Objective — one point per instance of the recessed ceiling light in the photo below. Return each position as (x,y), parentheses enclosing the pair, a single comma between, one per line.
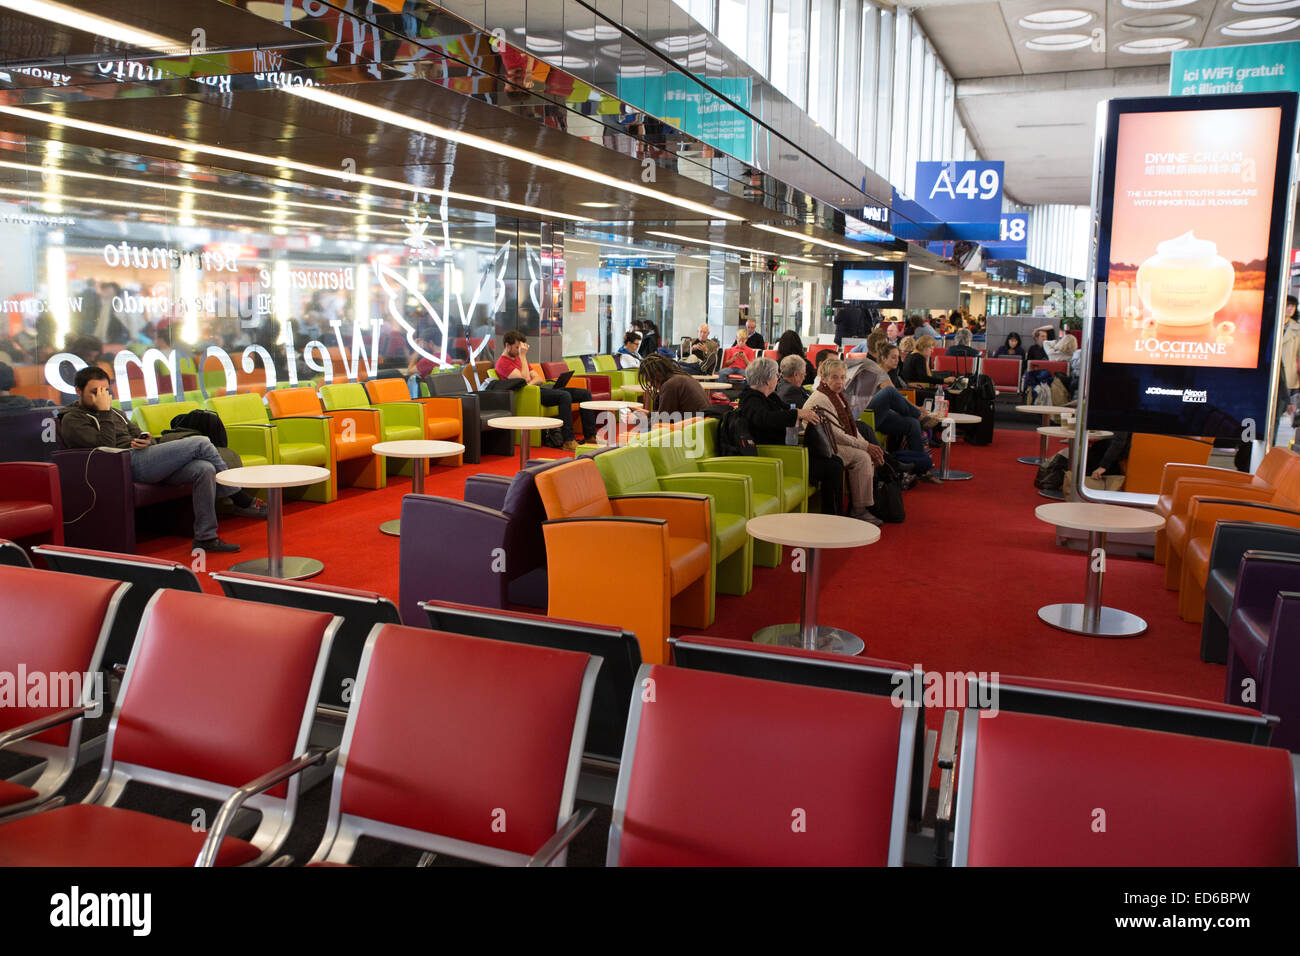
(1264,6)
(598,205)
(1059,41)
(588,34)
(1259,26)
(543,44)
(1164,22)
(1055,19)
(570,62)
(1152,45)
(100,26)
(1156,4)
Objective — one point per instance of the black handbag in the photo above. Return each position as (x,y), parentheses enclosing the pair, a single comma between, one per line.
(888,493)
(819,437)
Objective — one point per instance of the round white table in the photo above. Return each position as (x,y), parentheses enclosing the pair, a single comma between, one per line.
(633,389)
(524,424)
(275,478)
(419,450)
(957,418)
(704,378)
(1091,618)
(812,532)
(1067,432)
(611,408)
(716,386)
(1048,412)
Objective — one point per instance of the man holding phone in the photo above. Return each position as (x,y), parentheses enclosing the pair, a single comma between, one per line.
(514,364)
(92,422)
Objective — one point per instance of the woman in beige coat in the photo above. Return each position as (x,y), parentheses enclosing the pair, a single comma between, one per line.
(860,457)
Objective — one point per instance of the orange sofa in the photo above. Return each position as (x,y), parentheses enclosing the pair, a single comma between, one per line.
(354,432)
(1179,483)
(663,544)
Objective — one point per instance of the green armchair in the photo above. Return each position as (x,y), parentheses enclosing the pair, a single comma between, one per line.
(618,377)
(671,452)
(250,442)
(528,404)
(793,458)
(284,441)
(398,421)
(630,471)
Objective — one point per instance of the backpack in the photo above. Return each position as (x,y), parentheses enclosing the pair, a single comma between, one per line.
(734,436)
(1051,473)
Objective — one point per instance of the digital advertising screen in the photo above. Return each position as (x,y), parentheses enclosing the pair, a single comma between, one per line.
(868,285)
(1191,255)
(879,284)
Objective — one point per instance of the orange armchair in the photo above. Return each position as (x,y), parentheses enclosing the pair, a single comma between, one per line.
(1188,560)
(663,543)
(1223,481)
(442,416)
(353,433)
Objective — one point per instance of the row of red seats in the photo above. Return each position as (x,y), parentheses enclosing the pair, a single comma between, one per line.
(448,736)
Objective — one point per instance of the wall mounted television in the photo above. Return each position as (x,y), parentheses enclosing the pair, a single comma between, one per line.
(879,284)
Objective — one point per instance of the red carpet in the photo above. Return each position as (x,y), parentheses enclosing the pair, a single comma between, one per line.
(954,588)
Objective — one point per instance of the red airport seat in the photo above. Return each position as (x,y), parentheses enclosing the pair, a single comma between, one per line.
(462,746)
(13,555)
(1049,791)
(31,505)
(62,624)
(358,610)
(730,771)
(217,703)
(617,647)
(1125,706)
(1005,373)
(145,575)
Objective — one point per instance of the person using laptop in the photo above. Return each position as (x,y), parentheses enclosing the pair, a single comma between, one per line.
(513,363)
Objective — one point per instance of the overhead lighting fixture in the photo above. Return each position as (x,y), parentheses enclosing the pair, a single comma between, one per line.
(1264,6)
(591,34)
(1259,26)
(189,146)
(401,121)
(1055,19)
(598,205)
(1164,21)
(1149,45)
(1058,42)
(791,234)
(722,245)
(66,16)
(1156,4)
(543,44)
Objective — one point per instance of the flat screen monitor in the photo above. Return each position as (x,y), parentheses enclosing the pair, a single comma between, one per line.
(879,284)
(1190,263)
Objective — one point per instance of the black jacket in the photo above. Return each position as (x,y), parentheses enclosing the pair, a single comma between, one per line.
(755,341)
(1036,353)
(81,427)
(963,350)
(649,343)
(914,370)
(767,416)
(790,394)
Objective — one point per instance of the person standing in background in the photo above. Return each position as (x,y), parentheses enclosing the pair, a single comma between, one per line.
(1288,392)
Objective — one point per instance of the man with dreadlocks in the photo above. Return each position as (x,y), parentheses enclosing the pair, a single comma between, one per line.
(669,388)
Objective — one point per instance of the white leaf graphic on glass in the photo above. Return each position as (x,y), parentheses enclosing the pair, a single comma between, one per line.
(491,288)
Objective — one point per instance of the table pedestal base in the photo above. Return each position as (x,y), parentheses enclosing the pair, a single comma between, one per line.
(1110,621)
(393,527)
(291,569)
(1054,493)
(950,475)
(1030,460)
(830,639)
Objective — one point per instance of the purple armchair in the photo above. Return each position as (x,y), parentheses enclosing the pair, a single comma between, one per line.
(101,501)
(30,504)
(1232,539)
(487,550)
(27,434)
(1264,640)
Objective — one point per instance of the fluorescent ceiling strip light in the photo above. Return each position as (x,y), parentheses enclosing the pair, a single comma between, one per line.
(66,16)
(148,207)
(195,190)
(279,162)
(393,118)
(722,245)
(791,234)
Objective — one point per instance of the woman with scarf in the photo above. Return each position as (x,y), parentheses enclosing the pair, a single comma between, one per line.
(860,457)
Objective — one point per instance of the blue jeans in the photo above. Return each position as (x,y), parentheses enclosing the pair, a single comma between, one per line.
(191,460)
(895,415)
